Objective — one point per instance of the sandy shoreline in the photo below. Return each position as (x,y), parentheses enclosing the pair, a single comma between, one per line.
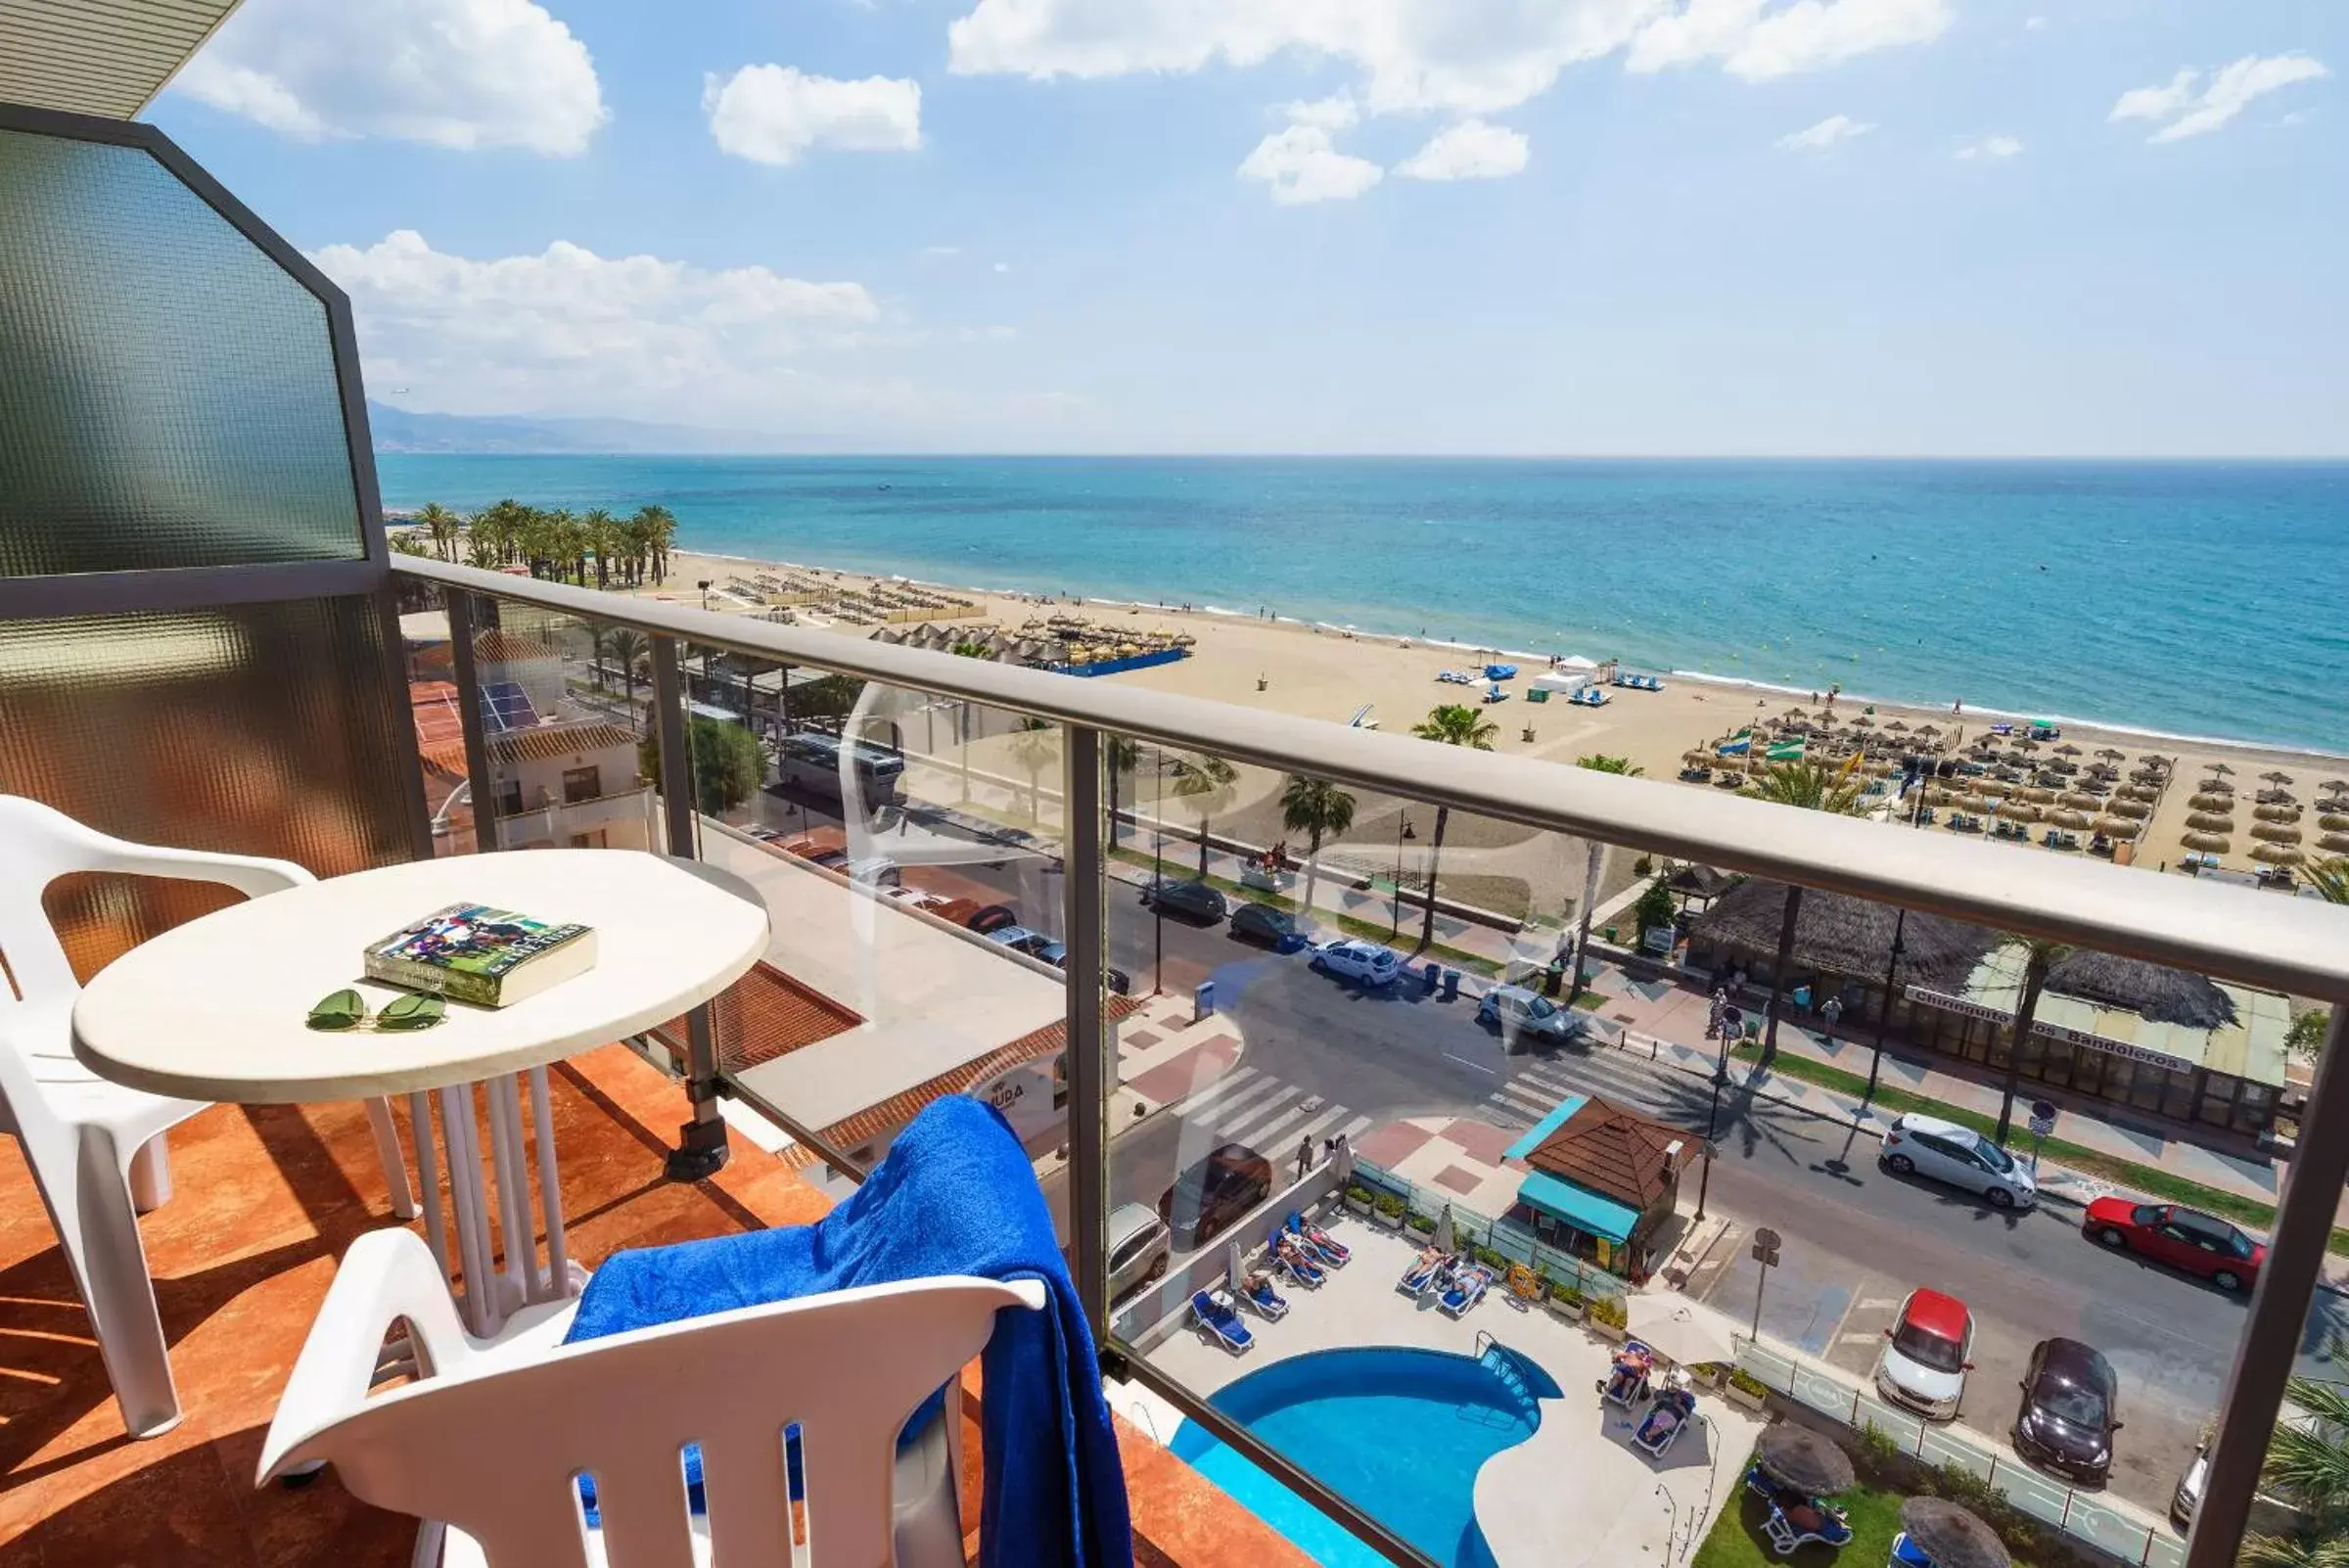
(1328,673)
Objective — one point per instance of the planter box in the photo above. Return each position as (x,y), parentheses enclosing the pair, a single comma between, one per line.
(1393,1221)
(1358,1207)
(1606,1331)
(1566,1310)
(1742,1399)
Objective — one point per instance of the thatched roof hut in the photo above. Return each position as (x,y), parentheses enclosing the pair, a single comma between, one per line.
(1841,935)
(1699,881)
(2153,991)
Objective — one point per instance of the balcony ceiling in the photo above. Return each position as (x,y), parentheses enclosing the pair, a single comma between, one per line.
(99,57)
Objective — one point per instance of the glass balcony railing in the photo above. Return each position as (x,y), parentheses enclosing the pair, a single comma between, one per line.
(1384,1087)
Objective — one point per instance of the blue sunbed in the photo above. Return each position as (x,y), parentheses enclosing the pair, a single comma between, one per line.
(1325,1247)
(1297,1261)
(1417,1275)
(1268,1301)
(1223,1323)
(1468,1286)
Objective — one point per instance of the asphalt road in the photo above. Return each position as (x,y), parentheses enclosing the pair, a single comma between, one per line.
(1855,1240)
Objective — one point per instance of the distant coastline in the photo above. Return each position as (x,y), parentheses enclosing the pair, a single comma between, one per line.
(2150,599)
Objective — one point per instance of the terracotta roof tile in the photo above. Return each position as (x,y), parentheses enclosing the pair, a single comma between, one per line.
(1619,1154)
(766,1014)
(542,742)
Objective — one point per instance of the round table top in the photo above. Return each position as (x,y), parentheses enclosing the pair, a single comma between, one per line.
(216,1009)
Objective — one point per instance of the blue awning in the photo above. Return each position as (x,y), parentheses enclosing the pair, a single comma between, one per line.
(1539,1134)
(1578,1207)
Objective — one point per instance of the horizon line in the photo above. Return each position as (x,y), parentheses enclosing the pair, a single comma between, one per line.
(1396,457)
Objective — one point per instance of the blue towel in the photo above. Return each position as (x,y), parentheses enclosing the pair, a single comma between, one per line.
(954,1195)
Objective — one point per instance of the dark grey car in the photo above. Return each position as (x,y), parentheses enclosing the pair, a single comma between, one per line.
(2069,1411)
(1195,900)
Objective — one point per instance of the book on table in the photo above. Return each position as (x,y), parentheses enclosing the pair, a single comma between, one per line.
(471,953)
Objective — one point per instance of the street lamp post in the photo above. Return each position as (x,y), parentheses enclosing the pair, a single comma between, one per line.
(1892,972)
(1403,831)
(1158,851)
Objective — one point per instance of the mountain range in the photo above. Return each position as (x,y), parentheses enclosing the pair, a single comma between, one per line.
(402,430)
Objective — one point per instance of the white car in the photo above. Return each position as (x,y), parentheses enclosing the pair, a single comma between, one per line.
(1926,1145)
(1927,1353)
(1366,963)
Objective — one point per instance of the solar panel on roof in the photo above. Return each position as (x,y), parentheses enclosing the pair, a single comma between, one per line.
(506,706)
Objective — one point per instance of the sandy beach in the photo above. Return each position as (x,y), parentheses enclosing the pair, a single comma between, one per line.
(1328,673)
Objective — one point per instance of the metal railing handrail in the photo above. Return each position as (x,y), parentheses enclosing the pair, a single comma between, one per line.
(2296,946)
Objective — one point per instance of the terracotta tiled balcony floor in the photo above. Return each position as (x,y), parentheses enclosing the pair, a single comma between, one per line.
(265,1201)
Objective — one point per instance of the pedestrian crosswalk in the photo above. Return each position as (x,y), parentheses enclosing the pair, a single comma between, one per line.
(1256,1108)
(1535,1088)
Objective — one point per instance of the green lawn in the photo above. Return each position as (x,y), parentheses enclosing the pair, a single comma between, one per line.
(1736,1541)
(2150,1180)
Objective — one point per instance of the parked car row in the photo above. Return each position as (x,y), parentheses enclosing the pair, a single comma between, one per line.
(2070,1407)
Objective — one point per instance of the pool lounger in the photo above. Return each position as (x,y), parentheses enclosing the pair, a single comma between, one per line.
(1293,1257)
(1675,1409)
(1222,1321)
(1468,1287)
(1417,1276)
(1268,1302)
(1319,1242)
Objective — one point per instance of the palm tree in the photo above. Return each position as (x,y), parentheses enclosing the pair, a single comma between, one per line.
(440,524)
(1033,747)
(629,649)
(1208,783)
(659,531)
(2330,879)
(1446,725)
(1315,807)
(2039,956)
(1123,756)
(483,549)
(406,542)
(2307,1462)
(1596,873)
(1809,786)
(605,539)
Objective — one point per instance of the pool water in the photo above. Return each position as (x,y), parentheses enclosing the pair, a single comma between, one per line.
(1398,1432)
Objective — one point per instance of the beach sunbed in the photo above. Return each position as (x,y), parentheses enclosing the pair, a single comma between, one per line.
(1328,1248)
(1666,1419)
(1270,1304)
(1421,1273)
(1295,1261)
(1222,1322)
(1467,1288)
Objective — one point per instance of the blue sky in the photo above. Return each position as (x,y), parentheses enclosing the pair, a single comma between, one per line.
(1514,226)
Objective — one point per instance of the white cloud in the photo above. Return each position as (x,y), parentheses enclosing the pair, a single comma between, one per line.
(1301,167)
(772,113)
(2194,110)
(1467,57)
(1991,148)
(2034,23)
(1827,132)
(1473,150)
(1003,266)
(568,330)
(1807,35)
(462,74)
(1338,113)
(941,250)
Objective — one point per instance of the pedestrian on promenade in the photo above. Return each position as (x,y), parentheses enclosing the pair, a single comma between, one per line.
(1305,1157)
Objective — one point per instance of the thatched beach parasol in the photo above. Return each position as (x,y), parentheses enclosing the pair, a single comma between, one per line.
(2135,809)
(2277,812)
(1951,1536)
(2020,812)
(2275,832)
(2079,800)
(2333,822)
(2333,843)
(1799,1458)
(2278,855)
(2118,827)
(2070,817)
(2139,791)
(2210,822)
(2111,754)
(2210,843)
(2212,801)
(2067,749)
(1896,725)
(2277,776)
(2221,769)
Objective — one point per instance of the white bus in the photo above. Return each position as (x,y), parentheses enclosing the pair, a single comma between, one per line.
(811,760)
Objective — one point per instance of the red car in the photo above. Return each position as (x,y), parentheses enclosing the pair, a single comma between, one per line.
(2186,1239)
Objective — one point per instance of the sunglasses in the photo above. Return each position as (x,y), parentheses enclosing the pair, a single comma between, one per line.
(347,1009)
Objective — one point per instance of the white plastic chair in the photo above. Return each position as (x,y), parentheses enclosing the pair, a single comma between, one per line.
(487,1444)
(97,1149)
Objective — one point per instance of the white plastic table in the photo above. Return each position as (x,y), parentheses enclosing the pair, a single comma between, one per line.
(216,1009)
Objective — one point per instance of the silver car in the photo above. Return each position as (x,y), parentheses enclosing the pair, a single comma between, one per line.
(1929,1147)
(1138,1246)
(1522,1014)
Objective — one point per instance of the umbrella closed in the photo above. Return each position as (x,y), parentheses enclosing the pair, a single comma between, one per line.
(1677,1328)
(1951,1536)
(1234,1274)
(1446,1241)
(1797,1457)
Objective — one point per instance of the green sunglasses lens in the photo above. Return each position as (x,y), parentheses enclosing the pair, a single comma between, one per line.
(411,1011)
(345,1009)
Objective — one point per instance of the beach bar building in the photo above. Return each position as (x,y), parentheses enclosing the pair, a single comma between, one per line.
(2162,1043)
(1600,1182)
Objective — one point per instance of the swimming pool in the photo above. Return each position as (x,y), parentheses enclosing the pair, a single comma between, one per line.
(1400,1432)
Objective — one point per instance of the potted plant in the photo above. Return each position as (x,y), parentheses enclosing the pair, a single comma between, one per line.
(1423,1224)
(1359,1199)
(1745,1390)
(1606,1317)
(1390,1209)
(1566,1302)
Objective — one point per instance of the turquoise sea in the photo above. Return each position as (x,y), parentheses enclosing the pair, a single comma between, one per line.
(2185,598)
